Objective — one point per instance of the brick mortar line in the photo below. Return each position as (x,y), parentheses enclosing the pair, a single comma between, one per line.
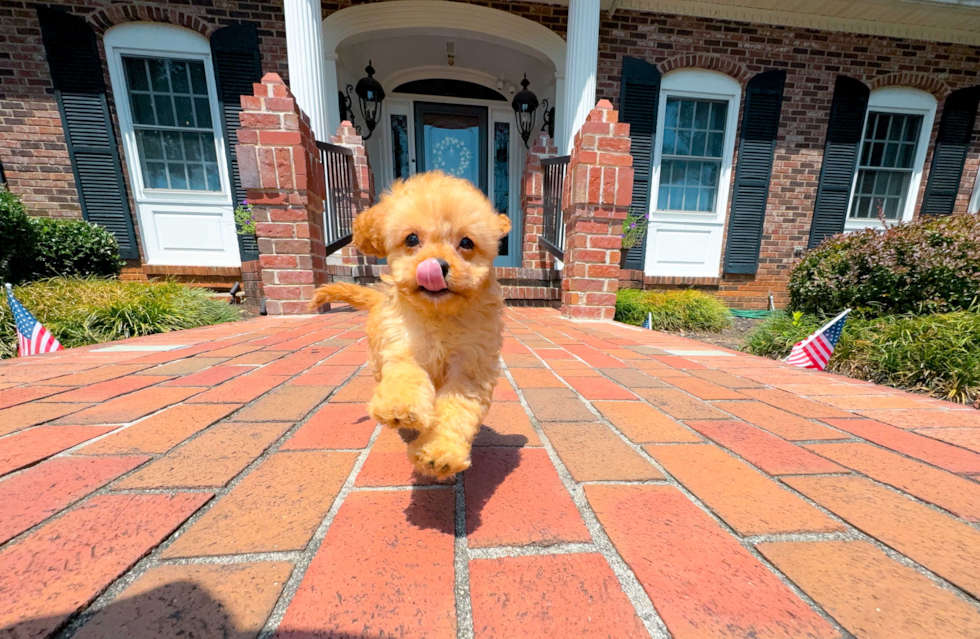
(695,500)
(291,556)
(461,565)
(218,492)
(151,558)
(498,552)
(935,578)
(628,581)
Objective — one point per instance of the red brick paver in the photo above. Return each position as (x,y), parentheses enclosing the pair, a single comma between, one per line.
(742,498)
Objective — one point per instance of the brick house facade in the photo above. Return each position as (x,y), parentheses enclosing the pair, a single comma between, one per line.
(37,166)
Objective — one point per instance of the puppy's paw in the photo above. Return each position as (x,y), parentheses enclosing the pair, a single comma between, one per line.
(439,457)
(399,407)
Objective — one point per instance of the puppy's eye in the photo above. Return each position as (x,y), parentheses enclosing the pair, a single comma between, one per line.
(466,244)
(412,240)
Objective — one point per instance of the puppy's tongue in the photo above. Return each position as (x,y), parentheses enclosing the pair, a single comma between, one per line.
(429,275)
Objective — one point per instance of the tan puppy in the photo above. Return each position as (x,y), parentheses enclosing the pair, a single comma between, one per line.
(434,329)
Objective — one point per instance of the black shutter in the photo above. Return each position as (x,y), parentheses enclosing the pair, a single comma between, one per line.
(840,158)
(639,93)
(952,141)
(76,71)
(760,124)
(237,65)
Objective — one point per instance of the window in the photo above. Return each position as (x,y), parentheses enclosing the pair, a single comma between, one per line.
(892,153)
(693,144)
(399,146)
(171,112)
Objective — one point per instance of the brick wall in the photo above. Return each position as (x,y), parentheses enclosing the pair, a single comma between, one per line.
(32,144)
(812,60)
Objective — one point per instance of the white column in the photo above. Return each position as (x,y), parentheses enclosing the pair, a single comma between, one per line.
(581,59)
(304,54)
(330,88)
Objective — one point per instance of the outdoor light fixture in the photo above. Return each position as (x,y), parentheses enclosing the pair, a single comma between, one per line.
(370,95)
(525,108)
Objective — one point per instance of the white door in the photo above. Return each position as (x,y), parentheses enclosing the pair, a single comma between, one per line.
(692,167)
(165,95)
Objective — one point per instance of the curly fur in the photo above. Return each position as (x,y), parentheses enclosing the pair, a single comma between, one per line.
(435,356)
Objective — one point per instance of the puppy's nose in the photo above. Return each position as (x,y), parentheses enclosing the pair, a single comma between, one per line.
(444,265)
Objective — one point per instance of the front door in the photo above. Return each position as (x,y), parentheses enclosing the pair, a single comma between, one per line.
(455,139)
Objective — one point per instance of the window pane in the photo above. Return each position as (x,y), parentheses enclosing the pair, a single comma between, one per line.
(698,143)
(719,111)
(214,183)
(716,143)
(158,75)
(207,141)
(165,110)
(185,112)
(178,179)
(143,109)
(198,81)
(203,109)
(192,147)
(172,147)
(195,175)
(701,115)
(687,115)
(178,77)
(673,107)
(399,145)
(670,141)
(149,143)
(156,175)
(683,143)
(501,174)
(136,74)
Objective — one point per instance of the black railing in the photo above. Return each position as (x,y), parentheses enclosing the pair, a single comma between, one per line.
(553,238)
(339,209)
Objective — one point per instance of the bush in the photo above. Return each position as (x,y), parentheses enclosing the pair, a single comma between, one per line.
(16,239)
(673,310)
(935,354)
(928,266)
(82,311)
(73,247)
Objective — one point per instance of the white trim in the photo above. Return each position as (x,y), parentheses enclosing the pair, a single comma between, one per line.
(974,206)
(434,17)
(211,208)
(705,85)
(898,100)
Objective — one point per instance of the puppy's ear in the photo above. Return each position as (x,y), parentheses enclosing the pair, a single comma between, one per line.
(503,222)
(369,230)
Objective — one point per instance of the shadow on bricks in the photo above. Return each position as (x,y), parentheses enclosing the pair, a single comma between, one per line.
(180,609)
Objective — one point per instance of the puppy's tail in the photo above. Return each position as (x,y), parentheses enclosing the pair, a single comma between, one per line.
(360,297)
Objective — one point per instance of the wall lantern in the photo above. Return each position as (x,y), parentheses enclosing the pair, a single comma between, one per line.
(370,95)
(525,108)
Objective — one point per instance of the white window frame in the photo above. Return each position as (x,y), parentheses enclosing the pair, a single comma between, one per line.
(905,101)
(153,40)
(697,84)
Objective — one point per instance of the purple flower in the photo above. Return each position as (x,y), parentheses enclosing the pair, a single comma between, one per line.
(633,225)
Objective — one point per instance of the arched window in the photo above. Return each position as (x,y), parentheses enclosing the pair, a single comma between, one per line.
(892,153)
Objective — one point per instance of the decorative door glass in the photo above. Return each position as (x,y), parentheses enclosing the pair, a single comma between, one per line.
(453,140)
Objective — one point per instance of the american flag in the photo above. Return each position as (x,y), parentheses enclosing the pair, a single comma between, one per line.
(32,337)
(815,351)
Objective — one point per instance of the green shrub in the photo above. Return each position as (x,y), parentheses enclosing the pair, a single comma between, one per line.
(73,247)
(82,311)
(672,310)
(936,354)
(16,239)
(928,266)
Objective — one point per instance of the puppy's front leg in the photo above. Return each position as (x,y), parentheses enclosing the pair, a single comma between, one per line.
(404,397)
(444,450)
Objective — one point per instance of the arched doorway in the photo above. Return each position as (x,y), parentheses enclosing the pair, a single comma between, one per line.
(450,71)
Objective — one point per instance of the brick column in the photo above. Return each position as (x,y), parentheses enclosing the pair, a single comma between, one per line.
(281,171)
(532,194)
(597,195)
(363,187)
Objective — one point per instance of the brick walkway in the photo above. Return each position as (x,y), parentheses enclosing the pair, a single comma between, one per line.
(627,484)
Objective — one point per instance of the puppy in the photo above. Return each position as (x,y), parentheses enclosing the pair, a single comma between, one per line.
(435,325)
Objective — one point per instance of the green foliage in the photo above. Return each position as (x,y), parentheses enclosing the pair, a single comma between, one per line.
(35,248)
(936,354)
(673,310)
(928,266)
(244,219)
(634,227)
(73,247)
(16,238)
(82,311)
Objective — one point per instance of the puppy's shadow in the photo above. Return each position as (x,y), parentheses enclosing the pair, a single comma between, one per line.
(493,461)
